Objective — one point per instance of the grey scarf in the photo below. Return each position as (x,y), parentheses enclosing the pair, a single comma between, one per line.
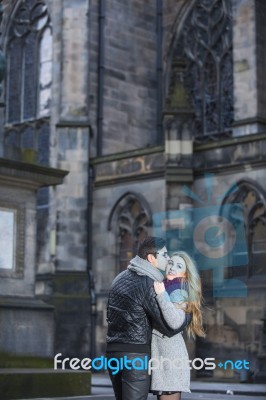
(143,267)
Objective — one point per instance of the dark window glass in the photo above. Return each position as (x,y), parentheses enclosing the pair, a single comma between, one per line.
(29,97)
(14,81)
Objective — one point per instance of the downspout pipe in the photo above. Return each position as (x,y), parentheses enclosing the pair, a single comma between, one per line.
(89,256)
(101,67)
(159,69)
(93,299)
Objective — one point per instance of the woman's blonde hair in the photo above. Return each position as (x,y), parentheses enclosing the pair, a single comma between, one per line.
(195,300)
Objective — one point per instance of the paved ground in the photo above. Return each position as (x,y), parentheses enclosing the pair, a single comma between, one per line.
(102,390)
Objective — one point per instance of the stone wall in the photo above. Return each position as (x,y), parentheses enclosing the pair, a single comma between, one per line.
(27,328)
(129,74)
(71,199)
(261,57)
(245,80)
(249,61)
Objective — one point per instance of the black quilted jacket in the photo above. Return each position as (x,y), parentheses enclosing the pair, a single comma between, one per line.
(133,312)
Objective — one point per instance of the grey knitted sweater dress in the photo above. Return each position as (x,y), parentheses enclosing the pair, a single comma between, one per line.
(173,374)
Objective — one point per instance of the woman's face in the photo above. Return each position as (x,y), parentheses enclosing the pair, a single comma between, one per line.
(177,270)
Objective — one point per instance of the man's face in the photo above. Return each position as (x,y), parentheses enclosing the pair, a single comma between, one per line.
(162,259)
(177,269)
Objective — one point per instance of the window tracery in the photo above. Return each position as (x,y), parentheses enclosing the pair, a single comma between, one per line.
(29,63)
(204,48)
(253,199)
(133,219)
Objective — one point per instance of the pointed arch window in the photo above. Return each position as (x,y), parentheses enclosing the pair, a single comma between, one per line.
(131,218)
(253,198)
(28,85)
(29,63)
(203,52)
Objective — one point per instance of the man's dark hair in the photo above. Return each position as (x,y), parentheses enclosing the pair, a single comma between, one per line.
(150,245)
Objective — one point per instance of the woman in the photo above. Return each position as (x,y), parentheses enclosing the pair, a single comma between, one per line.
(180,292)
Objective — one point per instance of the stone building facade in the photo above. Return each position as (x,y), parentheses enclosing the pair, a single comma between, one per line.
(152,107)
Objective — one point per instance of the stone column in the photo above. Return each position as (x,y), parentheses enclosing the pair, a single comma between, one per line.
(71,130)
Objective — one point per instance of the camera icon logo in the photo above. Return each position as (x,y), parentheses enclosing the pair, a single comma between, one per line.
(214,236)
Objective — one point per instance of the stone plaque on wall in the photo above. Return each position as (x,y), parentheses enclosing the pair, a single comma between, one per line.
(11,240)
(7,238)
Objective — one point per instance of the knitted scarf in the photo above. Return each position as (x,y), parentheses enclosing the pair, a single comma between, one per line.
(143,267)
(177,289)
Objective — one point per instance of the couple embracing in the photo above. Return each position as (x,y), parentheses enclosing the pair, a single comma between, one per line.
(149,306)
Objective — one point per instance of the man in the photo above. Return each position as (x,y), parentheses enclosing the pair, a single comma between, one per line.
(132,313)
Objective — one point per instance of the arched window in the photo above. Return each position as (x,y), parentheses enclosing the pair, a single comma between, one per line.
(29,63)
(28,48)
(253,198)
(131,218)
(201,67)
